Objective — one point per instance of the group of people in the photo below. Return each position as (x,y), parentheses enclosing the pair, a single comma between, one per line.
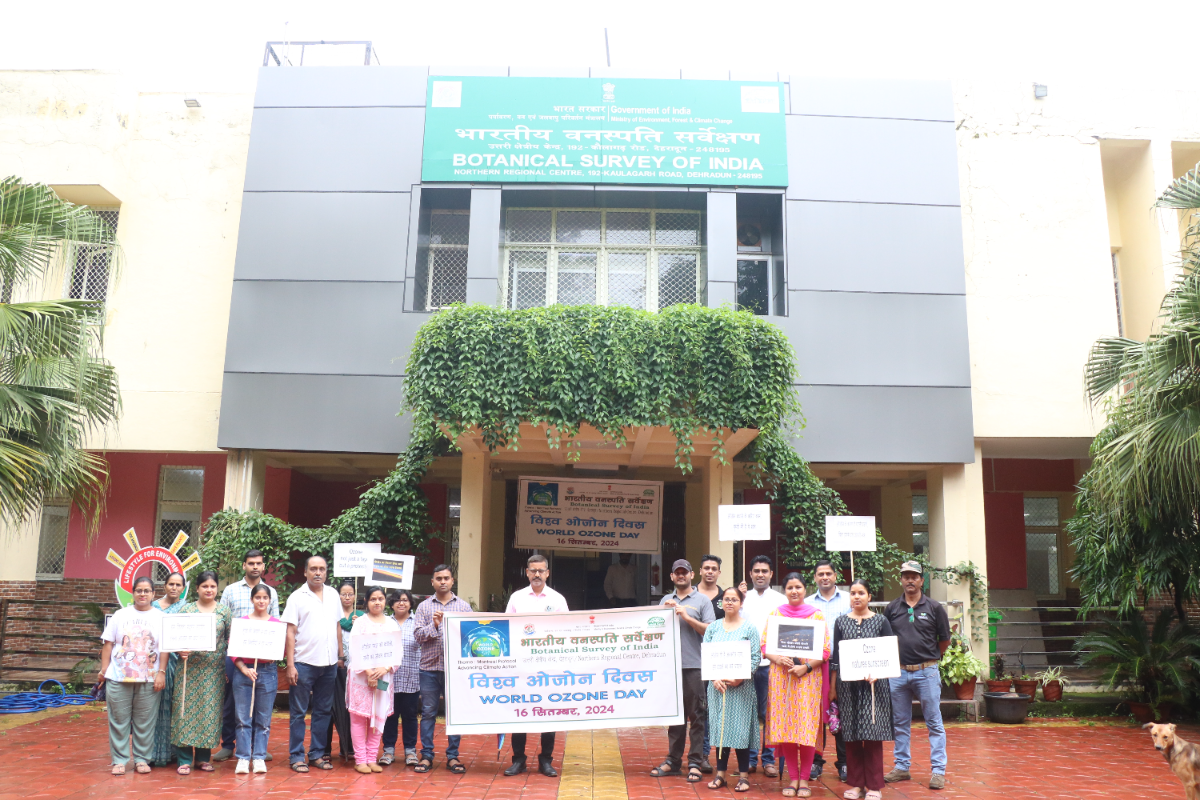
(179,706)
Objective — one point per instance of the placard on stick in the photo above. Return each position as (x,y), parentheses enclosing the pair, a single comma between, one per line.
(725,661)
(188,632)
(742,523)
(878,657)
(353,559)
(374,650)
(850,533)
(392,572)
(795,638)
(257,639)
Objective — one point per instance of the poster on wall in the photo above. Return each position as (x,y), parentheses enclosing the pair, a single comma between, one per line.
(588,514)
(580,670)
(605,130)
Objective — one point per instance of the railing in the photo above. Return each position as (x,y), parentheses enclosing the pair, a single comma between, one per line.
(36,646)
(1032,638)
(282,53)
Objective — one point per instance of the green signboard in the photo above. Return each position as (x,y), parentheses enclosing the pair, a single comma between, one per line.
(604,130)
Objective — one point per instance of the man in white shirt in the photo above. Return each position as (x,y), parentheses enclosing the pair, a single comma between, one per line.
(536,598)
(313,651)
(833,603)
(761,600)
(620,583)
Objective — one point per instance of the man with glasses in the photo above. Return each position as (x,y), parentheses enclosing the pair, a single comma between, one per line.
(535,598)
(833,602)
(923,629)
(761,600)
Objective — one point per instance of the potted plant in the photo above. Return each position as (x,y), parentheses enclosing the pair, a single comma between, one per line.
(960,668)
(1023,684)
(999,682)
(1053,683)
(1155,667)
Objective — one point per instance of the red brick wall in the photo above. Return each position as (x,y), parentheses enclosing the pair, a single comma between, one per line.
(24,618)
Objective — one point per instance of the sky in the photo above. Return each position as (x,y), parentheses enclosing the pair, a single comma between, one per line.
(217,46)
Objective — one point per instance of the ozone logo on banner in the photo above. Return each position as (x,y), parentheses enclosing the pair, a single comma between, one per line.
(144,556)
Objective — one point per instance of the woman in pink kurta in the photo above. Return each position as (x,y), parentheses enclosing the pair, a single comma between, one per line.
(369,691)
(798,698)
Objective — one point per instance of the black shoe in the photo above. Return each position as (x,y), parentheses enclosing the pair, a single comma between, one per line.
(518,766)
(706,767)
(842,773)
(546,767)
(817,769)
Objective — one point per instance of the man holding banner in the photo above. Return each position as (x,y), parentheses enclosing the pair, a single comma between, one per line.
(536,598)
(429,633)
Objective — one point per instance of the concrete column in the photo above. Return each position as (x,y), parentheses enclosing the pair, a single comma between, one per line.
(895,522)
(245,479)
(718,491)
(722,248)
(483,248)
(956,529)
(474,522)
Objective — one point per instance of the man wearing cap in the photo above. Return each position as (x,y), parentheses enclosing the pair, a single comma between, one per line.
(923,630)
(695,612)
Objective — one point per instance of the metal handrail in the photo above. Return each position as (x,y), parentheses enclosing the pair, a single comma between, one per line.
(269,54)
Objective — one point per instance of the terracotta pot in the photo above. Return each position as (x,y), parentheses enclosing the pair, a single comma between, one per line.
(1025,687)
(1052,691)
(966,689)
(1000,685)
(284,684)
(1143,714)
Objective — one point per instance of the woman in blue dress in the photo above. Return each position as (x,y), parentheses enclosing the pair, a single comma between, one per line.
(733,704)
(170,603)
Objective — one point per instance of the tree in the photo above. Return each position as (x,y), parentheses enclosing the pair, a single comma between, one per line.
(55,385)
(1135,530)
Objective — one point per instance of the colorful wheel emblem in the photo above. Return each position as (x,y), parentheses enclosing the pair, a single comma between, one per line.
(143,556)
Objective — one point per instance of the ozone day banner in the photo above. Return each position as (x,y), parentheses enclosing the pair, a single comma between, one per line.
(559,672)
(570,514)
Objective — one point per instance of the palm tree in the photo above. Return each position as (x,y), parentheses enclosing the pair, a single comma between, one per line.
(55,385)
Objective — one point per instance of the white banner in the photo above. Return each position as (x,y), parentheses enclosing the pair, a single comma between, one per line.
(724,661)
(878,657)
(191,632)
(744,523)
(374,650)
(850,533)
(392,572)
(611,668)
(795,638)
(256,638)
(588,514)
(353,559)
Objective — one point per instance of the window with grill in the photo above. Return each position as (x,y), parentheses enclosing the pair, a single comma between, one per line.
(632,257)
(180,491)
(447,265)
(920,518)
(88,278)
(52,542)
(1041,545)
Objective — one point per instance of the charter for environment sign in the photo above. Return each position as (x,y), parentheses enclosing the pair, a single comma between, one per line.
(613,668)
(610,516)
(604,130)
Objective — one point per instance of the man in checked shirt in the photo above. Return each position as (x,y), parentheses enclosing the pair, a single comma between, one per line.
(433,665)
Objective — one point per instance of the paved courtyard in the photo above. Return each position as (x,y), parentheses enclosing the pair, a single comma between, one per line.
(65,755)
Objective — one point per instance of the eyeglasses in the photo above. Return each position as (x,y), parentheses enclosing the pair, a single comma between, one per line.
(538,571)
(911,616)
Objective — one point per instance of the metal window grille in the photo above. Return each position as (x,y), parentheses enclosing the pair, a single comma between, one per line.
(636,257)
(52,542)
(1041,545)
(920,518)
(180,491)
(447,269)
(88,279)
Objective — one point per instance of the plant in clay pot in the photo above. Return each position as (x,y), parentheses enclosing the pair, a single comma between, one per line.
(960,668)
(1024,684)
(1053,683)
(999,682)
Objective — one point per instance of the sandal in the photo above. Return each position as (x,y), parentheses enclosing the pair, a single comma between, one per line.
(456,766)
(118,769)
(205,767)
(803,791)
(665,769)
(386,760)
(297,766)
(424,765)
(877,795)
(694,775)
(322,763)
(792,791)
(184,769)
(142,768)
(770,770)
(718,783)
(743,785)
(854,793)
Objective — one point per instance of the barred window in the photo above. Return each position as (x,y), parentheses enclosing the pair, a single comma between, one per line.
(52,543)
(633,257)
(180,491)
(447,267)
(89,277)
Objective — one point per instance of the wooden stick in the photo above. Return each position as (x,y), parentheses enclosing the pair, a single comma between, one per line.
(852,570)
(872,703)
(183,699)
(721,746)
(253,686)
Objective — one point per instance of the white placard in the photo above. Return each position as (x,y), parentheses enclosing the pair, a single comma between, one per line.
(878,657)
(744,523)
(795,638)
(192,632)
(603,515)
(850,533)
(353,559)
(392,572)
(255,638)
(724,661)
(374,650)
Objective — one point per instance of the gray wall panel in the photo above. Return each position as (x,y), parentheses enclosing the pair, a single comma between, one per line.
(331,413)
(879,424)
(875,247)
(722,236)
(338,87)
(319,327)
(847,97)
(322,236)
(872,161)
(882,339)
(335,149)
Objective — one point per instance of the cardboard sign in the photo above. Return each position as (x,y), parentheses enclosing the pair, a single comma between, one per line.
(253,638)
(744,523)
(878,657)
(725,661)
(374,650)
(353,560)
(850,533)
(795,638)
(191,632)
(392,572)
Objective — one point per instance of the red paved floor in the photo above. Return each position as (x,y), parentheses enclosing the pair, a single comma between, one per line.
(67,757)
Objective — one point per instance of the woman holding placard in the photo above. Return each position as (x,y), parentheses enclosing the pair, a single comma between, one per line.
(735,725)
(170,603)
(200,688)
(369,691)
(254,693)
(799,695)
(864,707)
(406,682)
(340,716)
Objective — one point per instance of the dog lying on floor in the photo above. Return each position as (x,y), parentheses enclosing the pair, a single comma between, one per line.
(1184,757)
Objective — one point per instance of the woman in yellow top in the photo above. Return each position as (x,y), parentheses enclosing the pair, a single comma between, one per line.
(798,697)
